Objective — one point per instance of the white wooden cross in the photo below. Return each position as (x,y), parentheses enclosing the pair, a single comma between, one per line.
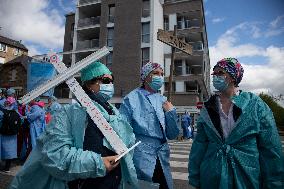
(67,74)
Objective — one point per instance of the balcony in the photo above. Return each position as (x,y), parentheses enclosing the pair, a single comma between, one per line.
(85,22)
(87,44)
(145,13)
(191,23)
(197,46)
(86,2)
(186,24)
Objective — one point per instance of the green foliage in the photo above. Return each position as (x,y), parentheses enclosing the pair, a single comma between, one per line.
(277,110)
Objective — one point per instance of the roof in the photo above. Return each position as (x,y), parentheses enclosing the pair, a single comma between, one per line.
(23,59)
(70,14)
(12,42)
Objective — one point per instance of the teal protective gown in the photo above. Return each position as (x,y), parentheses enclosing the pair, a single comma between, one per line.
(250,158)
(59,156)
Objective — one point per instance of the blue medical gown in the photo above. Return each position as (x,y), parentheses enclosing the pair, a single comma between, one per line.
(59,156)
(36,118)
(8,143)
(152,126)
(250,158)
(2,101)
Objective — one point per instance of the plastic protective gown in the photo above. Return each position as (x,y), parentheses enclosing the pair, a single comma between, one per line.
(59,156)
(144,112)
(250,158)
(36,117)
(55,106)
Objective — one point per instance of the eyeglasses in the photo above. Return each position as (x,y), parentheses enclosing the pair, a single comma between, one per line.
(220,72)
(106,80)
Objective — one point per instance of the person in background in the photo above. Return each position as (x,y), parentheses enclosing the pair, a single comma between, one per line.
(2,99)
(24,139)
(73,153)
(185,124)
(8,143)
(12,93)
(237,144)
(52,107)
(36,118)
(154,120)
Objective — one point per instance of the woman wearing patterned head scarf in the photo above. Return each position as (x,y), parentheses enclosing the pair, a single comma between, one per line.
(237,143)
(153,120)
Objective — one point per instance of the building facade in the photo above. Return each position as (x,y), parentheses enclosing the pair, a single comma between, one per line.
(10,49)
(191,79)
(129,30)
(14,74)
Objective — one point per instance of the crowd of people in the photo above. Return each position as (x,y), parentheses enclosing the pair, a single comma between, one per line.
(236,146)
(20,126)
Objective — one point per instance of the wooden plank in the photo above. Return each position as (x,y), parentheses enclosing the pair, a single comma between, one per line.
(169,39)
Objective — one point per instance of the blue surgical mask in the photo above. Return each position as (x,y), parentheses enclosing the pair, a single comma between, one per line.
(220,83)
(157,82)
(106,91)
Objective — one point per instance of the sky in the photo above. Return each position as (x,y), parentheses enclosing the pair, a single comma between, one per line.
(250,30)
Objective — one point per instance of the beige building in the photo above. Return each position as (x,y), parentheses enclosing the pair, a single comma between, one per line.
(10,49)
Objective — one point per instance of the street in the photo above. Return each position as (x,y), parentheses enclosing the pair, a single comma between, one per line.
(178,161)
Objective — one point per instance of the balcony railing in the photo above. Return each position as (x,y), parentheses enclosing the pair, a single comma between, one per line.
(84,2)
(89,21)
(88,44)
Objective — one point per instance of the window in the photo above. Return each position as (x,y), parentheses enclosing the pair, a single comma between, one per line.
(2,47)
(178,67)
(111,12)
(187,68)
(167,86)
(146,32)
(110,37)
(145,55)
(109,59)
(72,31)
(179,22)
(191,86)
(146,8)
(16,51)
(166,23)
(13,75)
(62,91)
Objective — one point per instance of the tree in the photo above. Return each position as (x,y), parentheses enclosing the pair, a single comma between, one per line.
(277,110)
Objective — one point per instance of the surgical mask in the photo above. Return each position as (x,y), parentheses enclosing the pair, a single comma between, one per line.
(220,83)
(106,91)
(157,82)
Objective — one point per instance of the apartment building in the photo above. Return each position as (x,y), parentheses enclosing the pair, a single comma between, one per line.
(191,80)
(129,29)
(10,49)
